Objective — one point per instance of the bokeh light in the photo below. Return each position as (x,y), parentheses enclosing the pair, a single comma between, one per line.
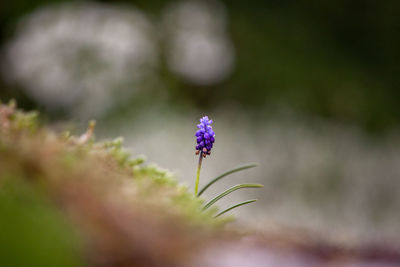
(83,58)
(198,45)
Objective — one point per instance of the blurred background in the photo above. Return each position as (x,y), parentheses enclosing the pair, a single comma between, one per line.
(309,90)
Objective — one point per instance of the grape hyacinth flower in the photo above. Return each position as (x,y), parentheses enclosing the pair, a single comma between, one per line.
(205,138)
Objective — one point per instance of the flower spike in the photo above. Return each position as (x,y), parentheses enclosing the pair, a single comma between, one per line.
(205,136)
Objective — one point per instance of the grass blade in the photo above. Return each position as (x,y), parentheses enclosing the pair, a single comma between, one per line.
(228,191)
(248,166)
(235,206)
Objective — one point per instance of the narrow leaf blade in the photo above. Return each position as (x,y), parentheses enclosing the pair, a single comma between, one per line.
(244,167)
(235,206)
(228,191)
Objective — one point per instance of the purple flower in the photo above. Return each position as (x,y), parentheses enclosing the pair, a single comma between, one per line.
(205,136)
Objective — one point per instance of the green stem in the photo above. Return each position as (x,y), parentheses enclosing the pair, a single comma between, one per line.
(225,174)
(198,173)
(235,206)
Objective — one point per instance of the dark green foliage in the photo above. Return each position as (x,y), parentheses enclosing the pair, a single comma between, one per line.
(33,232)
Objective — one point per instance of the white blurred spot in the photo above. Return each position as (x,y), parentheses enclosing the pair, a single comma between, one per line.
(82,58)
(198,46)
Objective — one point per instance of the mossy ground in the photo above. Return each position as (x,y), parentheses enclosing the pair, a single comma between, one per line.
(68,201)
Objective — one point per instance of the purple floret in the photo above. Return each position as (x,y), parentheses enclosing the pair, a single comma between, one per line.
(205,136)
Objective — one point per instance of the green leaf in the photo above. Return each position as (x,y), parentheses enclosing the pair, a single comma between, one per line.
(248,166)
(235,206)
(228,191)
